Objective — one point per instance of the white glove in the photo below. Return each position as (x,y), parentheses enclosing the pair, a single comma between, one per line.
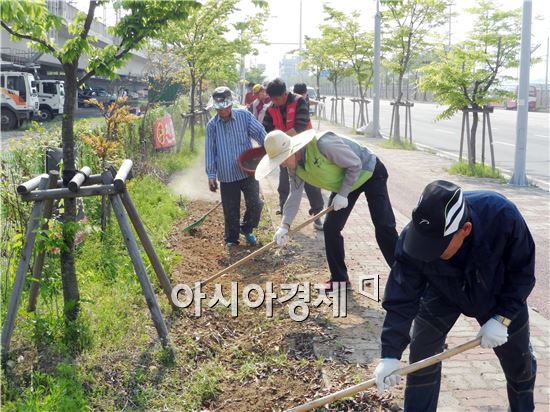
(281,236)
(383,376)
(339,202)
(493,334)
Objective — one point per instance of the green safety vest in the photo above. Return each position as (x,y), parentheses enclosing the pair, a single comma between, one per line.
(319,171)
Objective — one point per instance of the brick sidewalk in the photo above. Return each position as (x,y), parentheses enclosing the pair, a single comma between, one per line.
(472,381)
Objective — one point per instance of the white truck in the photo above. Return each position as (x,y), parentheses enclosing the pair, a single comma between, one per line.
(52,98)
(18,99)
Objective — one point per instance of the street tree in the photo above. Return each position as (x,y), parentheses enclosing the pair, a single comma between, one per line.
(355,44)
(255,75)
(314,58)
(407,27)
(203,47)
(31,20)
(337,64)
(470,75)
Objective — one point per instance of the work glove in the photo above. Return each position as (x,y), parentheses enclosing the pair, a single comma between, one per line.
(493,334)
(281,236)
(383,376)
(213,185)
(339,202)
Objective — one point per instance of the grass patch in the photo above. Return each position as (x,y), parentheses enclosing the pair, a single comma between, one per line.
(480,170)
(403,144)
(60,391)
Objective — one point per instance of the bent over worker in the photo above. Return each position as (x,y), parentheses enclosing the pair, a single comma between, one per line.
(289,112)
(342,166)
(465,253)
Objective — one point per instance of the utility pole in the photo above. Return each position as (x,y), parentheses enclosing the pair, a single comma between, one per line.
(300,40)
(546,78)
(519,178)
(373,128)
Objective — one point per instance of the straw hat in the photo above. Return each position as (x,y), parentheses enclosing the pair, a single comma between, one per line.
(279,146)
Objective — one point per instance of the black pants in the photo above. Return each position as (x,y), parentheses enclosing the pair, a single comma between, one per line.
(316,202)
(435,318)
(231,202)
(381,212)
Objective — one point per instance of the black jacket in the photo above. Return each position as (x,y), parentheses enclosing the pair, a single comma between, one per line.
(497,275)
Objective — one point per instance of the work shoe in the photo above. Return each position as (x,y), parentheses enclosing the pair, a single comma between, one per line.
(231,245)
(251,239)
(330,285)
(318,224)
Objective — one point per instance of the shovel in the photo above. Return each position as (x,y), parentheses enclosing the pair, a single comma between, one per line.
(413,367)
(199,222)
(263,248)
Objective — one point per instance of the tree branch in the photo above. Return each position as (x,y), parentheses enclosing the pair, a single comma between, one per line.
(24,36)
(89,19)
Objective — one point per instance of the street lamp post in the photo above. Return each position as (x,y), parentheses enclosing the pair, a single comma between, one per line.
(373,129)
(519,178)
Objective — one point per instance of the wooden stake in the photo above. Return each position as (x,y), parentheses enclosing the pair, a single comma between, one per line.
(21,273)
(139,267)
(147,245)
(413,367)
(39,259)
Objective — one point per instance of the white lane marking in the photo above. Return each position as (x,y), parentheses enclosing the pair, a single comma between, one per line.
(444,131)
(541,135)
(506,144)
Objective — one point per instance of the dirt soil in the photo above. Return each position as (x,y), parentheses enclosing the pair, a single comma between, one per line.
(267,363)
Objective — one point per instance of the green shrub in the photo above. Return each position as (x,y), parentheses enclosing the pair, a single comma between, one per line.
(480,170)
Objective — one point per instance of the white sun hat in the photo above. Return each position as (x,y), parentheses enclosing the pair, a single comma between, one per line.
(279,146)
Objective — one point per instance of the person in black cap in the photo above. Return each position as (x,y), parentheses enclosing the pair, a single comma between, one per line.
(467,253)
(228,135)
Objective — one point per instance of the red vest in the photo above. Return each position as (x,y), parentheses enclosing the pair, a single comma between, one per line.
(277,116)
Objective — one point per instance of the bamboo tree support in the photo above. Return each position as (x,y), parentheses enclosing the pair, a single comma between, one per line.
(491,146)
(342,116)
(333,109)
(22,268)
(147,245)
(50,188)
(322,112)
(139,267)
(408,118)
(408,121)
(39,258)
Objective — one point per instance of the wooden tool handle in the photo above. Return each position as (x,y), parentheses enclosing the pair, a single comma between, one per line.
(413,367)
(265,247)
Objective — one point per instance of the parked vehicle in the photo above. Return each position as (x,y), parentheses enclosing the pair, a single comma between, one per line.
(19,99)
(512,104)
(100,94)
(52,98)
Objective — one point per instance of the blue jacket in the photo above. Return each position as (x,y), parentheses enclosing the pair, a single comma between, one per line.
(496,276)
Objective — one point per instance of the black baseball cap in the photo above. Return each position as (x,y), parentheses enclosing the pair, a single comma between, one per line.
(440,213)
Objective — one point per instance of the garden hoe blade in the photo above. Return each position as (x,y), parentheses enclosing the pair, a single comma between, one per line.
(196,224)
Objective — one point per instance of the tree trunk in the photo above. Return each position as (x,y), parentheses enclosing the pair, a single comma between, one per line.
(71,294)
(396,132)
(318,81)
(472,148)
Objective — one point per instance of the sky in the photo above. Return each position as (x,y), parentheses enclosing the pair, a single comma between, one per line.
(283,26)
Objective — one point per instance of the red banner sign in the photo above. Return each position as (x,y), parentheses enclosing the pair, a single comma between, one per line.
(164,136)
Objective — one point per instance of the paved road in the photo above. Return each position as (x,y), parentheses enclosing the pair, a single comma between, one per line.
(445,135)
